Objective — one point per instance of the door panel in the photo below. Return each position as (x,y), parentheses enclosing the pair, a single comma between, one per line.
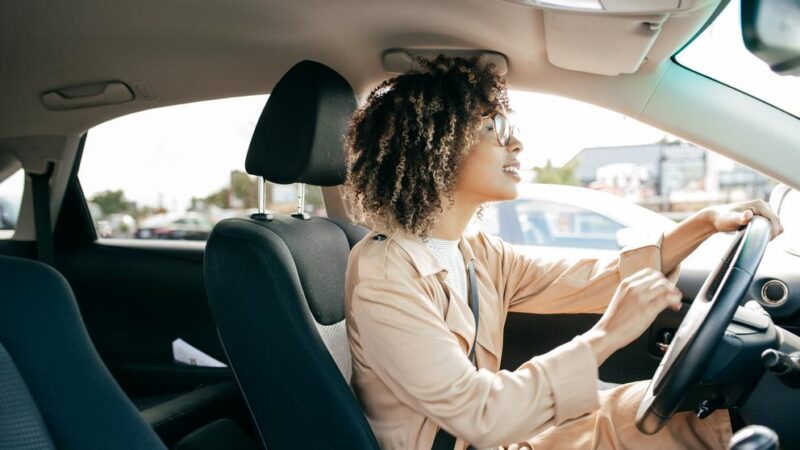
(136,297)
(135,300)
(528,335)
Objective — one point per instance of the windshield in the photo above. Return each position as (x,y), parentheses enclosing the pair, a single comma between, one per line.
(719,53)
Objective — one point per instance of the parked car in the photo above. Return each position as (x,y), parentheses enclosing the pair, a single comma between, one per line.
(9,210)
(560,219)
(180,226)
(116,226)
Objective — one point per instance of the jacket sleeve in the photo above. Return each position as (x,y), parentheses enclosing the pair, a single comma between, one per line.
(403,339)
(560,286)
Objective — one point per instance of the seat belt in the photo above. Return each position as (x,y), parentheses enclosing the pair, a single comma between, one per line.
(41,215)
(443,439)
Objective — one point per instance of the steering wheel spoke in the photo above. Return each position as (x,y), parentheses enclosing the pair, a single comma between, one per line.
(701,333)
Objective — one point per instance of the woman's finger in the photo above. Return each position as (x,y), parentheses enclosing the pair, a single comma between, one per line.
(763,209)
(745,216)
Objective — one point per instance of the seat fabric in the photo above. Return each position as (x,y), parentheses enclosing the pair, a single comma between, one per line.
(62,394)
(280,343)
(21,425)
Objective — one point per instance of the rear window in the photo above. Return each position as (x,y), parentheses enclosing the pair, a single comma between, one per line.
(174,172)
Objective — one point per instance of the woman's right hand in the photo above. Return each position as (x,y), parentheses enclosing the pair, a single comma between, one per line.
(635,305)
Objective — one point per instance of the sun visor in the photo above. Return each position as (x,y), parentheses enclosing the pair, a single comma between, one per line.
(601,44)
(612,37)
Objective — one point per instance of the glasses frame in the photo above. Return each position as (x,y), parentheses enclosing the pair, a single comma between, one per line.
(512,130)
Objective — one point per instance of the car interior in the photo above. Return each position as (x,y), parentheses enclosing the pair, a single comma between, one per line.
(88,325)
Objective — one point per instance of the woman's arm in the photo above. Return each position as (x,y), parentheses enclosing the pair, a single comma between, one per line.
(682,240)
(563,286)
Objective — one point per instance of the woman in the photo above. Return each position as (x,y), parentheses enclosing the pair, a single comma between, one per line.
(425,152)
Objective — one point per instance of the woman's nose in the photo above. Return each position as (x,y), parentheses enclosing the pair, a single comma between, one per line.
(515,146)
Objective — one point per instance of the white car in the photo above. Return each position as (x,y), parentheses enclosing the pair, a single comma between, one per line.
(557,221)
(571,221)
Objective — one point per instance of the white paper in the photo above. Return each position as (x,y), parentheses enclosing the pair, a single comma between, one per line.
(185,353)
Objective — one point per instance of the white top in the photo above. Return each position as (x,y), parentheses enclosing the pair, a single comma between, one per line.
(448,255)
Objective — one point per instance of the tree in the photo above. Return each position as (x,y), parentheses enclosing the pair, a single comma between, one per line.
(242,193)
(220,198)
(550,174)
(113,202)
(313,198)
(244,188)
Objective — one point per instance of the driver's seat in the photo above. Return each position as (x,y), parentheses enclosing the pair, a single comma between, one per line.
(276,282)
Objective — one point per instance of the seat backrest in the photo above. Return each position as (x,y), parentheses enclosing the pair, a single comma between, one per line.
(276,286)
(55,391)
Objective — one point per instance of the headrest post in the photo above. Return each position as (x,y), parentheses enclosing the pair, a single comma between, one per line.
(301,202)
(262,213)
(262,197)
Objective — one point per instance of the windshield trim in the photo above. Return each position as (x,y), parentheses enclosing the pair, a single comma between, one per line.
(674,58)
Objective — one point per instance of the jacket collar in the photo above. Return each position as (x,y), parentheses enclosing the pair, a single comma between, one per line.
(421,256)
(458,316)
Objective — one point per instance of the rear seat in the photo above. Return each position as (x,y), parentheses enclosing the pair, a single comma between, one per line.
(57,393)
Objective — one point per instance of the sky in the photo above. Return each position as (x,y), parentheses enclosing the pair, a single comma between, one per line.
(167,155)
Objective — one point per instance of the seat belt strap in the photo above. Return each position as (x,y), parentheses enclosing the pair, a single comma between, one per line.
(41,213)
(443,439)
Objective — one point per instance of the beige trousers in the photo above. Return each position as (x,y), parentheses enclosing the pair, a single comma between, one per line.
(612,427)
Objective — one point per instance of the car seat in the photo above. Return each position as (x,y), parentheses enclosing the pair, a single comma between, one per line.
(276,282)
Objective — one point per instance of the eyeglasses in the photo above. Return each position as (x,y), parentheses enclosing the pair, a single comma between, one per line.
(503,129)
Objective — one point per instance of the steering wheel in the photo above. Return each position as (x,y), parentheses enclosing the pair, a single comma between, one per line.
(705,323)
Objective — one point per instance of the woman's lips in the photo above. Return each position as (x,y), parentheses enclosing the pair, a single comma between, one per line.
(512,170)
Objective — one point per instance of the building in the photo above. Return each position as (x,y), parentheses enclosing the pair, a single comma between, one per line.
(668,175)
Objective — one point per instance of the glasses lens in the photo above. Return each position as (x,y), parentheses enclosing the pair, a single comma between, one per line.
(502,128)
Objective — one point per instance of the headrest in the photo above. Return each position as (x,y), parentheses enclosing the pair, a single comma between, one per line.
(300,134)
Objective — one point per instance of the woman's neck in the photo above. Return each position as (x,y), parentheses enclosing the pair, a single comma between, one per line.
(454,220)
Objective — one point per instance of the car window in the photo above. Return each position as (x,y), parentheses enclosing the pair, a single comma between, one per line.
(647,179)
(174,172)
(11,188)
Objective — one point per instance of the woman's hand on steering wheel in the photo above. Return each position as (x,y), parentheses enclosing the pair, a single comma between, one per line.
(733,216)
(635,305)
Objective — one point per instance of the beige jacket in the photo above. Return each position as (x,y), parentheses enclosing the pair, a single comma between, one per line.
(410,336)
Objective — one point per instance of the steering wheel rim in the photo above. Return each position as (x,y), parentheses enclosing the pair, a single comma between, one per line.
(703,327)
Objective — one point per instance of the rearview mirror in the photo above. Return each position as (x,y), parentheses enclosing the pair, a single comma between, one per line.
(771,31)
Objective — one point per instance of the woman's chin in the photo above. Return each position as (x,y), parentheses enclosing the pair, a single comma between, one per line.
(505,195)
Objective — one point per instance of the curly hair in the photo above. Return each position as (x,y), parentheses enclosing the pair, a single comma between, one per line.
(405,145)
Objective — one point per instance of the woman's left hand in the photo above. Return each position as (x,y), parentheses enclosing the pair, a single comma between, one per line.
(731,217)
